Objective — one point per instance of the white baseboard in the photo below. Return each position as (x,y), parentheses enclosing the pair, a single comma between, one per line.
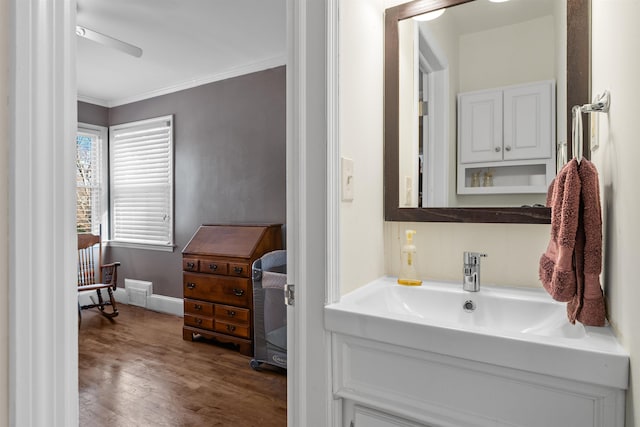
(165,304)
(121,295)
(160,303)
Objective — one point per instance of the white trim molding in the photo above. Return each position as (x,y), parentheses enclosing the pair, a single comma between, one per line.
(254,67)
(43,341)
(116,244)
(159,303)
(102,133)
(334,405)
(333,152)
(309,384)
(165,304)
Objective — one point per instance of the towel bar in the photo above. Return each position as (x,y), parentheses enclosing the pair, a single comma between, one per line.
(600,105)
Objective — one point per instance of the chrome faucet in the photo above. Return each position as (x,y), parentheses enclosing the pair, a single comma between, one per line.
(471,270)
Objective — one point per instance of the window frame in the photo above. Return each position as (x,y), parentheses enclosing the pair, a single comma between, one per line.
(169,247)
(102,133)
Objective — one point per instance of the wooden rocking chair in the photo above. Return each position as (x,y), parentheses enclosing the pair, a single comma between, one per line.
(92,275)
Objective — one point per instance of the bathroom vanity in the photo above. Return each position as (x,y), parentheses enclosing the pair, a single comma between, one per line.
(438,355)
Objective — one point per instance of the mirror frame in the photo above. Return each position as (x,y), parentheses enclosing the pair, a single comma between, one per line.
(578,93)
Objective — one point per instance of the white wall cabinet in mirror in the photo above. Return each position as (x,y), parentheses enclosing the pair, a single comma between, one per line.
(506,139)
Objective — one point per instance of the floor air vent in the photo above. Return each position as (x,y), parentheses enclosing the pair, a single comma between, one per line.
(138,291)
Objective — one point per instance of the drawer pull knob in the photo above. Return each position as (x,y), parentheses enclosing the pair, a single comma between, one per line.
(237,270)
(197,307)
(231,313)
(238,292)
(191,285)
(213,267)
(199,321)
(190,265)
(231,328)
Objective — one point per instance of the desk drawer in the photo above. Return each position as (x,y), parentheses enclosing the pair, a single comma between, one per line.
(233,329)
(198,308)
(225,290)
(232,314)
(214,267)
(190,264)
(239,269)
(198,321)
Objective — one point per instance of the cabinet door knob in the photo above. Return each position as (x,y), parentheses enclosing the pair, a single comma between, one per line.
(507,148)
(231,328)
(190,265)
(191,285)
(231,313)
(213,267)
(238,292)
(237,270)
(199,321)
(197,307)
(497,149)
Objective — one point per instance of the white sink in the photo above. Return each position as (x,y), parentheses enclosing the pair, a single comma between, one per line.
(494,310)
(511,327)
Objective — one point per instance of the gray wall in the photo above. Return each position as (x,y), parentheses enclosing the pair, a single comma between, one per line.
(230,164)
(93,114)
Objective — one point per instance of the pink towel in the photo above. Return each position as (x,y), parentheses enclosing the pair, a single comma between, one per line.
(557,269)
(570,268)
(588,306)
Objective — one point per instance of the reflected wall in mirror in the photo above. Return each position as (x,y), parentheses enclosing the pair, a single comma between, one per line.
(518,64)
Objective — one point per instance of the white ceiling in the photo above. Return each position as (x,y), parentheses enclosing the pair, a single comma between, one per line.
(185,43)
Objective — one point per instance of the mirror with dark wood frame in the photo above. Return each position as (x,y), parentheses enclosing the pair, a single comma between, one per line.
(577,92)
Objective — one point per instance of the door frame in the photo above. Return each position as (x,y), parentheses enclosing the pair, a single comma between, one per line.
(433,62)
(43,318)
(43,334)
(313,158)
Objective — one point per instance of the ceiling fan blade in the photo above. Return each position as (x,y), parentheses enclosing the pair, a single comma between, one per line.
(108,41)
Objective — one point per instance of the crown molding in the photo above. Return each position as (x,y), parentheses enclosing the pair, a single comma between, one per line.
(94,101)
(211,78)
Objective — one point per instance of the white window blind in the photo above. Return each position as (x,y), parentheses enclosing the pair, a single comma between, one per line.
(90,178)
(141,181)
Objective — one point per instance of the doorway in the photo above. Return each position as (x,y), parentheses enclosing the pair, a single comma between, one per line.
(41,364)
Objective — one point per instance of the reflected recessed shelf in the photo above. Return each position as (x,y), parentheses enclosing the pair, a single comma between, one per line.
(519,178)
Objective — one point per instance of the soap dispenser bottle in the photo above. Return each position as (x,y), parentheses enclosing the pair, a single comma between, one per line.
(408,275)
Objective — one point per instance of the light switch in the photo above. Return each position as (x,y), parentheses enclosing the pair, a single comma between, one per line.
(347,179)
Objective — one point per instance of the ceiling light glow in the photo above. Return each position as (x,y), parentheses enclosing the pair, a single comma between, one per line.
(430,16)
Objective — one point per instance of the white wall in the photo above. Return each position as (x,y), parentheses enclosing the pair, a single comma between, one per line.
(508,55)
(361,136)
(369,246)
(615,66)
(560,15)
(4,210)
(513,250)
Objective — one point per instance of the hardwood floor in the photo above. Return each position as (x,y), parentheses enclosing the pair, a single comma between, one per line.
(138,371)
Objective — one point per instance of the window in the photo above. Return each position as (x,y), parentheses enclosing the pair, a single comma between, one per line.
(91,168)
(141,186)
